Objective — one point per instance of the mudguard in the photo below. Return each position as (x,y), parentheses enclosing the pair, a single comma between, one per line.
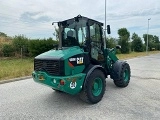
(90,69)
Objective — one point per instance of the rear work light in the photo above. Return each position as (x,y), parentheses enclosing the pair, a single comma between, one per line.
(62,82)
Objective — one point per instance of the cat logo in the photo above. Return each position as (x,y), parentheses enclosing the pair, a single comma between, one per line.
(80,60)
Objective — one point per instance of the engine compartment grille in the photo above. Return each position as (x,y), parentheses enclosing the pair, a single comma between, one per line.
(52,67)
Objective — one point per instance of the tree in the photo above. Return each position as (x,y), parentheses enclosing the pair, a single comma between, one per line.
(111,42)
(157,42)
(124,35)
(137,44)
(153,41)
(156,39)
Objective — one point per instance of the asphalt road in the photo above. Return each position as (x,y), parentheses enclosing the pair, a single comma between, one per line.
(23,100)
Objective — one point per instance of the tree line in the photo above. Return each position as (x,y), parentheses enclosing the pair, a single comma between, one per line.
(21,46)
(133,43)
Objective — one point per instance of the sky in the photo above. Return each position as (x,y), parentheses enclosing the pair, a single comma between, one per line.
(33,18)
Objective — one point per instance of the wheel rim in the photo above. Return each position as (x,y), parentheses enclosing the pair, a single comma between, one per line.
(126,75)
(97,87)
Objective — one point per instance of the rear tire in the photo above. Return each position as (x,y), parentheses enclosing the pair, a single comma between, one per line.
(94,88)
(124,76)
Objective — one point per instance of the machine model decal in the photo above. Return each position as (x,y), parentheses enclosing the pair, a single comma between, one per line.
(73,85)
(72,59)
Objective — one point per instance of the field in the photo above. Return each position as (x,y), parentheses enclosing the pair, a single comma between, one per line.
(13,68)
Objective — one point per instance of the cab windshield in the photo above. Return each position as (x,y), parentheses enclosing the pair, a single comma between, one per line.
(73,32)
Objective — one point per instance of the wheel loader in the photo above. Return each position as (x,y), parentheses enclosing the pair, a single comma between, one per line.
(81,63)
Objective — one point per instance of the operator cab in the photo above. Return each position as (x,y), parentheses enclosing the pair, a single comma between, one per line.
(83,32)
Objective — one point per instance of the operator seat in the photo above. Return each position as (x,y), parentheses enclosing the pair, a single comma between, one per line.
(69,33)
(71,39)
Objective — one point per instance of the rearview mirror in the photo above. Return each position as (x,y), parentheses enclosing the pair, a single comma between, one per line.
(108,29)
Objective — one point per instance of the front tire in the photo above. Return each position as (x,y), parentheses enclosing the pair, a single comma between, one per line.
(124,77)
(57,90)
(94,88)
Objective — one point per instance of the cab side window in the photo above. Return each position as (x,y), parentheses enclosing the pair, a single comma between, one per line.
(95,33)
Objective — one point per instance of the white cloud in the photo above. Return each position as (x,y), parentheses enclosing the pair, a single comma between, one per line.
(34,17)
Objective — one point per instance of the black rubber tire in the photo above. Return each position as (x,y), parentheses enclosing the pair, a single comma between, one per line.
(57,90)
(86,93)
(122,82)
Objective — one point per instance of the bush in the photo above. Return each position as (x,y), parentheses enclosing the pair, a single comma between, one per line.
(3,34)
(21,43)
(37,47)
(7,50)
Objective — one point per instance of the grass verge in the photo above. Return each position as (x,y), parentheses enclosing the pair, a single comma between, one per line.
(135,54)
(13,68)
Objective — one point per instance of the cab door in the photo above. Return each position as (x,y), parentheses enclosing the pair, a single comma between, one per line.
(96,42)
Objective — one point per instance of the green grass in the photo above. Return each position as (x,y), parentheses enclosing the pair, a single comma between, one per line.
(135,54)
(13,68)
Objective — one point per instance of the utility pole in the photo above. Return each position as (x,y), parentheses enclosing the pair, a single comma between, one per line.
(105,27)
(147,37)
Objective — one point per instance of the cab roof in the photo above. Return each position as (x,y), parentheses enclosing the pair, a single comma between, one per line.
(81,17)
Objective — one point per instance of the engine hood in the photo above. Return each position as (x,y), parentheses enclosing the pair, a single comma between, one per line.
(60,54)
